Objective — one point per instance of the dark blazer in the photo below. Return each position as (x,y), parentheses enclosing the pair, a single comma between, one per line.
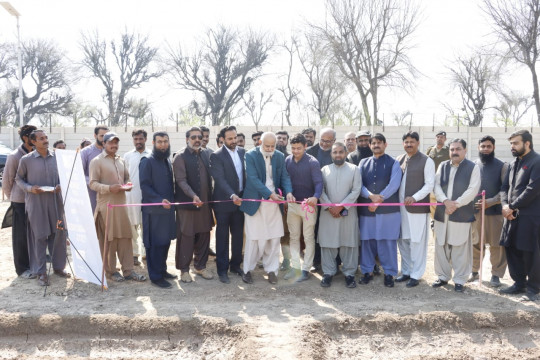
(313,150)
(226,182)
(156,179)
(256,178)
(524,195)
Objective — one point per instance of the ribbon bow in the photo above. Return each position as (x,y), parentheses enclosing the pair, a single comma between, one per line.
(307,208)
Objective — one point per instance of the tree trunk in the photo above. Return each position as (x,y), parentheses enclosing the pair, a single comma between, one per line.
(365,107)
(374,99)
(536,95)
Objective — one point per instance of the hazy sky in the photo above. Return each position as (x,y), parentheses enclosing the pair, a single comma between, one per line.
(448,28)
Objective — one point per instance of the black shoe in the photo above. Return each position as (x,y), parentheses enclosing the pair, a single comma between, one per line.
(247,278)
(495,281)
(303,277)
(167,275)
(376,270)
(48,258)
(459,288)
(224,278)
(388,281)
(326,280)
(512,290)
(136,261)
(402,278)
(412,283)
(211,252)
(366,279)
(162,283)
(439,283)
(272,278)
(237,271)
(530,296)
(350,282)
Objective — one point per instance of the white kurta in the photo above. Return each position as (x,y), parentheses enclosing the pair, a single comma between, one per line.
(418,222)
(132,159)
(341,184)
(413,244)
(455,233)
(267,222)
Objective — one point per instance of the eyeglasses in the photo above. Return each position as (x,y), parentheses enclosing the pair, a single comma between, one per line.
(327,141)
(194,137)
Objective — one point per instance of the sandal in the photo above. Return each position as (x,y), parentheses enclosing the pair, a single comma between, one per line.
(117,277)
(28,275)
(135,277)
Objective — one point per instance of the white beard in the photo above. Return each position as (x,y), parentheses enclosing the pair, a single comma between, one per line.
(267,153)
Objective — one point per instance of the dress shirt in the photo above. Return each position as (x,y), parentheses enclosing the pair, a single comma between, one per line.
(237,165)
(306,176)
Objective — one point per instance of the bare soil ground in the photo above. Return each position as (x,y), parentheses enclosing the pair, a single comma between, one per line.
(210,320)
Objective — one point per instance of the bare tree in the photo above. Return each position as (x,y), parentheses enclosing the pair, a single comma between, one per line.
(475,76)
(289,92)
(401,118)
(222,70)
(517,24)
(324,77)
(6,70)
(512,108)
(45,79)
(255,106)
(132,57)
(370,41)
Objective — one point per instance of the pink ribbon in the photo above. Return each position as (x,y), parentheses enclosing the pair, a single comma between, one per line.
(276,202)
(307,208)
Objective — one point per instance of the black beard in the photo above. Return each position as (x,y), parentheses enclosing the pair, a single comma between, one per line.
(365,152)
(100,143)
(485,158)
(338,162)
(161,154)
(282,148)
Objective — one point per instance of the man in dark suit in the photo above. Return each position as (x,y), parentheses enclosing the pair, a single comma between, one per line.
(193,184)
(159,226)
(520,199)
(228,170)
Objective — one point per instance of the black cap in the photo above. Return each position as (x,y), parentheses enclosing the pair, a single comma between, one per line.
(443,133)
(110,136)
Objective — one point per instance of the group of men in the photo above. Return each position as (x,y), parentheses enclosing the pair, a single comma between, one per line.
(334,206)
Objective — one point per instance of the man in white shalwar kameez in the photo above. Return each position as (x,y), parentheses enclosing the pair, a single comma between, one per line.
(133,159)
(338,227)
(416,185)
(265,174)
(456,184)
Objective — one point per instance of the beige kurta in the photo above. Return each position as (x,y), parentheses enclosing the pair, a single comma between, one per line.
(455,233)
(267,222)
(133,159)
(341,184)
(106,170)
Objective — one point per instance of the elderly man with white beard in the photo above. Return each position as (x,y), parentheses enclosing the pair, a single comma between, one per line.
(265,174)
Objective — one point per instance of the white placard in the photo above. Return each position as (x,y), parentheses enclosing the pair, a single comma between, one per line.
(87,262)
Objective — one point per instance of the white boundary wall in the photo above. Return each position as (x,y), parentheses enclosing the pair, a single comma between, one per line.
(393,135)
